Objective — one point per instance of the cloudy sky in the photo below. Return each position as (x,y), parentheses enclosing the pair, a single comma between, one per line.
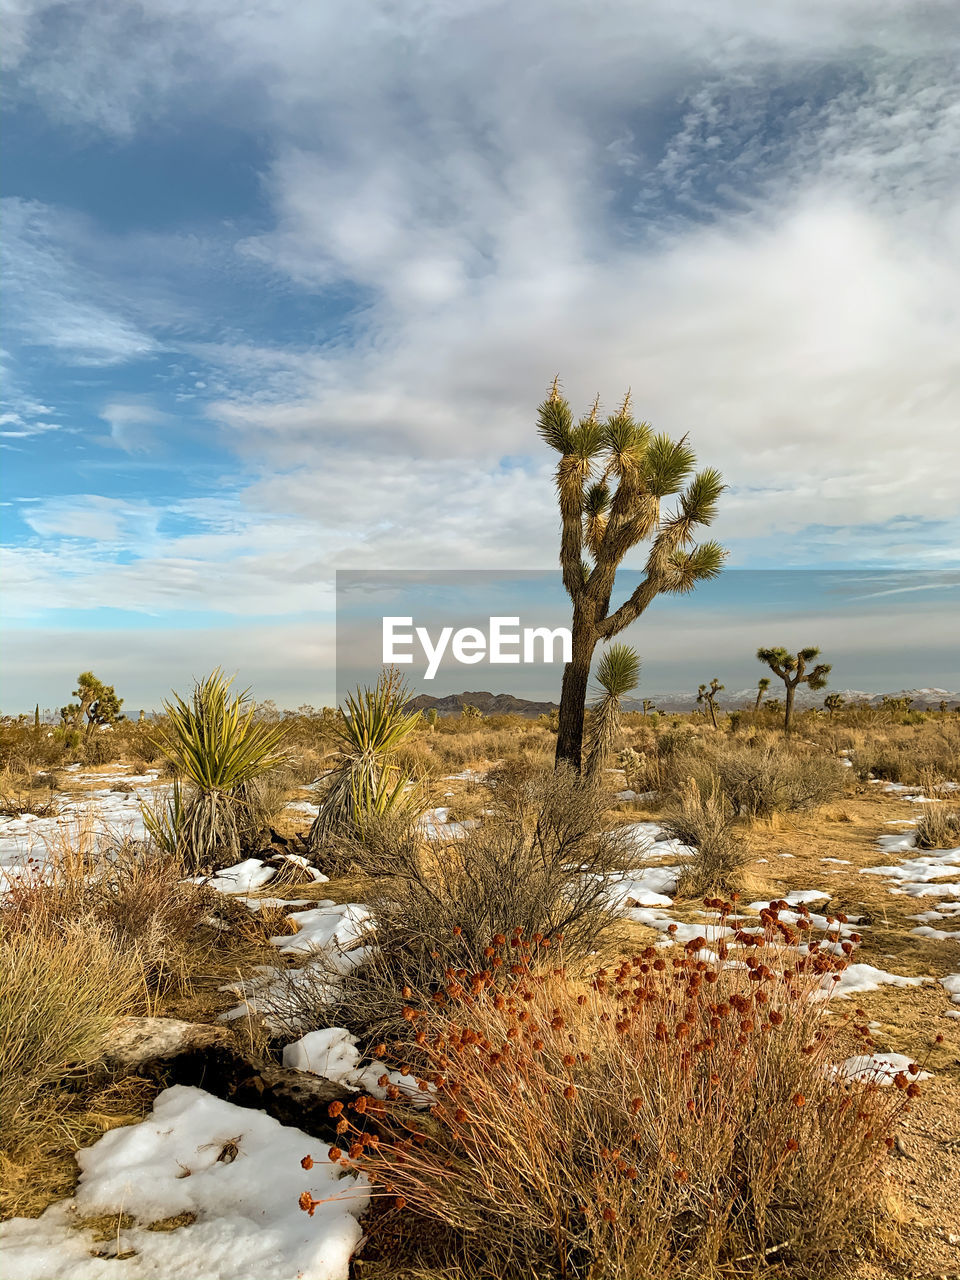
(285,281)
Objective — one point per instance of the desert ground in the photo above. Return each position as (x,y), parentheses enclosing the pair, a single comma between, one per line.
(180,1038)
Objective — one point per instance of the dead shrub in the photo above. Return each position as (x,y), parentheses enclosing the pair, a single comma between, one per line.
(674,1119)
(539,864)
(759,781)
(705,822)
(938,827)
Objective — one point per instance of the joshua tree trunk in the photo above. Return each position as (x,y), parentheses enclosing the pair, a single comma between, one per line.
(788,712)
(573,692)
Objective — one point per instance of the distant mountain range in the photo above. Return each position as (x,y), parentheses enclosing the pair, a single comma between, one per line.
(492,704)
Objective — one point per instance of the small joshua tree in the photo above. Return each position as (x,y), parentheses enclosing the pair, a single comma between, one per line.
(617,673)
(98,702)
(793,670)
(833,702)
(763,684)
(611,479)
(707,696)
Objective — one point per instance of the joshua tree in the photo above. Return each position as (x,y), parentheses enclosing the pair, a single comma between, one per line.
(611,479)
(617,673)
(943,706)
(97,701)
(763,684)
(833,702)
(792,670)
(707,695)
(647,706)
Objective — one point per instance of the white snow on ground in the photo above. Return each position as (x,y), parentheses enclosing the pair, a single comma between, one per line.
(862,977)
(333,1054)
(260,904)
(252,874)
(238,1170)
(878,1068)
(795,897)
(329,933)
(644,888)
(329,927)
(111,813)
(951,984)
(244,877)
(436,825)
(302,806)
(935,935)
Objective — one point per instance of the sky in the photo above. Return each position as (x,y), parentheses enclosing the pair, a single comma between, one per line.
(284,283)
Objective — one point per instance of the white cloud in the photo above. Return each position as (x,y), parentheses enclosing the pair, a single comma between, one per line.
(51,299)
(748,213)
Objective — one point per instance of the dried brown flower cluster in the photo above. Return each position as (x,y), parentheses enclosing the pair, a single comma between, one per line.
(577,1115)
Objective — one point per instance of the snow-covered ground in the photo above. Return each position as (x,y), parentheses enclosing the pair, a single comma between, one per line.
(237,1176)
(111,813)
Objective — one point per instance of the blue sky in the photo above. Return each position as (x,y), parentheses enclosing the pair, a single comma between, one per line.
(284,283)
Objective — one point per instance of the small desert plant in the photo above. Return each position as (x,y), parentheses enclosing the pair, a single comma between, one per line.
(617,673)
(672,1118)
(704,820)
(218,748)
(366,782)
(938,827)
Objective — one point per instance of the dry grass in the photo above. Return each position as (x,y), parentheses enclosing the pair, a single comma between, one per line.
(672,1119)
(706,823)
(61,991)
(938,827)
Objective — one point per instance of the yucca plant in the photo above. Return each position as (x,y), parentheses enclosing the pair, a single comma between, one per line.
(365,779)
(217,748)
(164,818)
(611,479)
(763,684)
(617,673)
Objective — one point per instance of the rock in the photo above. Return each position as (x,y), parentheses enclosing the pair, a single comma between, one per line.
(138,1042)
(171,1051)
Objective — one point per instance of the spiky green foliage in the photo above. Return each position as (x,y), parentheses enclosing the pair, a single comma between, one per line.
(793,670)
(612,479)
(617,673)
(163,818)
(707,696)
(217,747)
(834,702)
(365,780)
